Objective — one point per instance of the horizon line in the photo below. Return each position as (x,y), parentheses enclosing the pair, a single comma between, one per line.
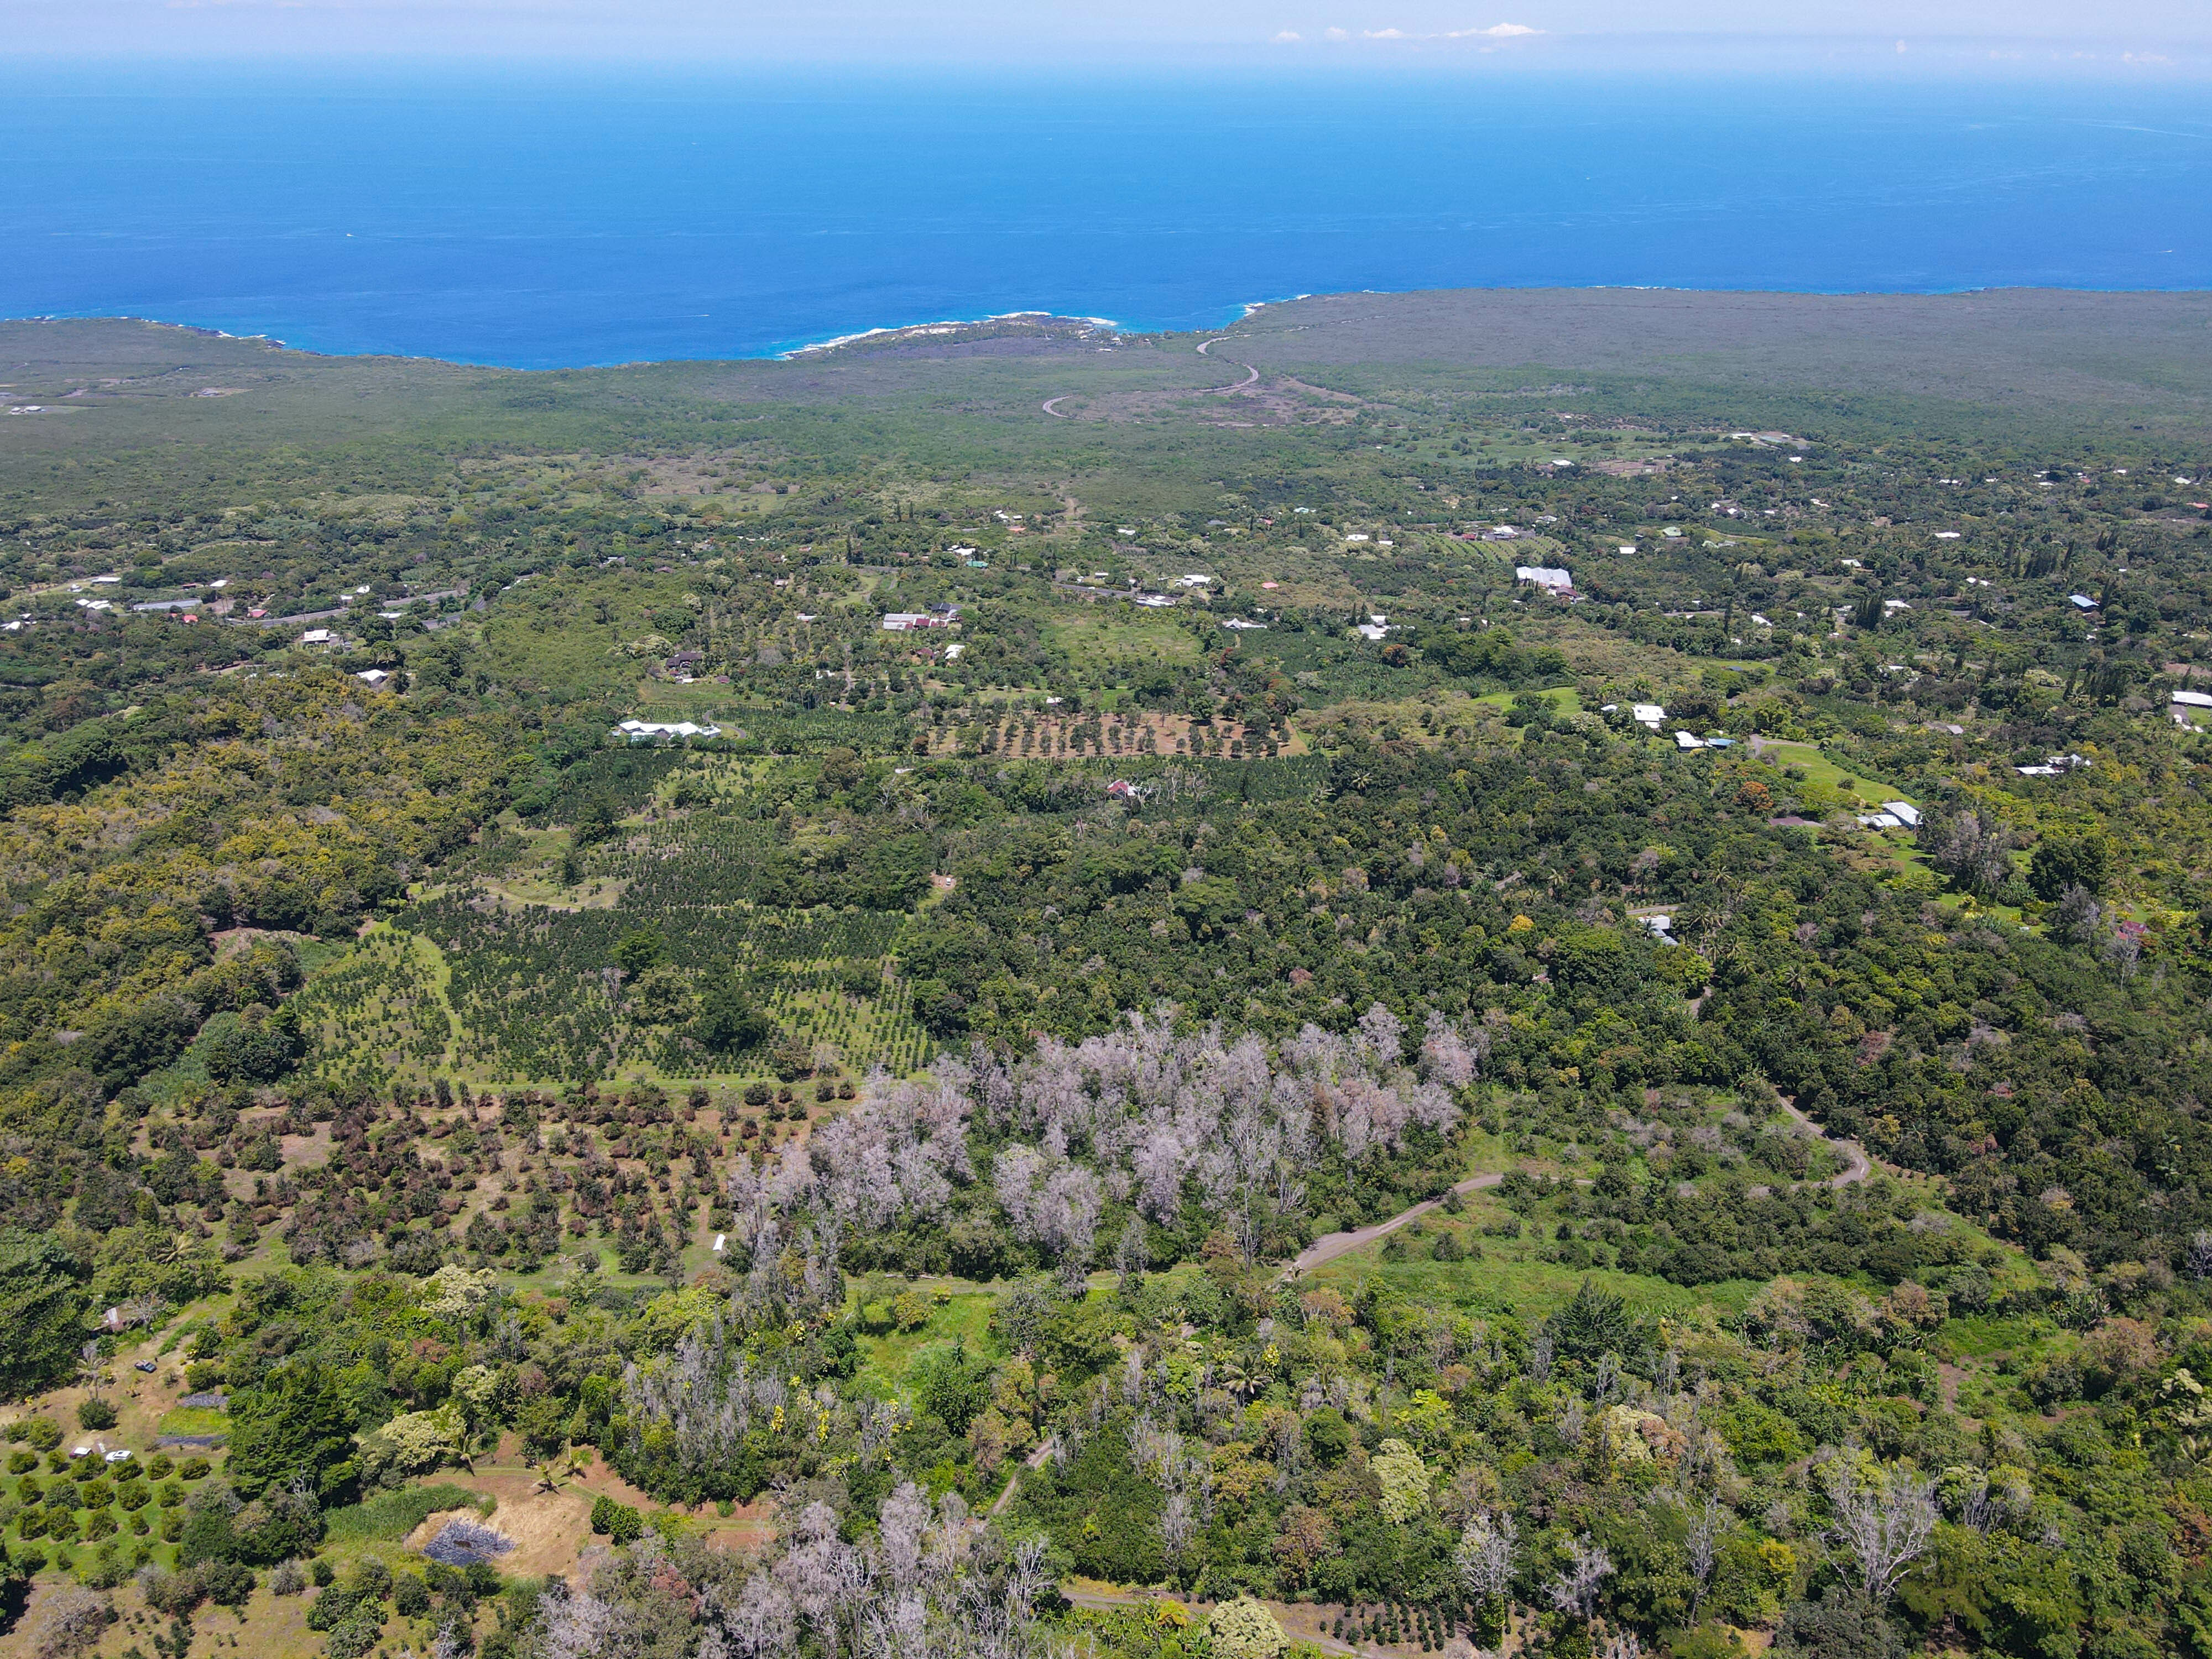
(1860,55)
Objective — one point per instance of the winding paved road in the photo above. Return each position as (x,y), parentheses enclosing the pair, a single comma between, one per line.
(1251,373)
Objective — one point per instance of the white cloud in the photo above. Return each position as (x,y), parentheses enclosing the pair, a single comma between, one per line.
(1495,32)
(1287,36)
(1385,34)
(1339,34)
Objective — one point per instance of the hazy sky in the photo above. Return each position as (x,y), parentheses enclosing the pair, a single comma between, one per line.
(2151,37)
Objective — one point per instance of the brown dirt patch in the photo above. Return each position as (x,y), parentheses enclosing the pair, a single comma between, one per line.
(751,1527)
(547,1529)
(551,1530)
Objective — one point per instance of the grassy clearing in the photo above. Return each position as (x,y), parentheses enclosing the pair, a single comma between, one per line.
(193,1420)
(965,1318)
(1108,631)
(1509,1280)
(1564,699)
(389,1517)
(1819,769)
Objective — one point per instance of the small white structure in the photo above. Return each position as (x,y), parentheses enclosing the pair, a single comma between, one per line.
(1154,601)
(1647,714)
(1357,535)
(1626,548)
(1903,812)
(2193,699)
(374,679)
(319,636)
(646,730)
(901,622)
(1660,925)
(1545,576)
(1193,580)
(1242,626)
(1881,820)
(2081,602)
(1684,740)
(952,651)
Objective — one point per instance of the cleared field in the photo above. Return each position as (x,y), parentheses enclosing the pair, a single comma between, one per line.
(1107,631)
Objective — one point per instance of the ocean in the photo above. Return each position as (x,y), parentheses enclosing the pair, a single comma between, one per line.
(560,219)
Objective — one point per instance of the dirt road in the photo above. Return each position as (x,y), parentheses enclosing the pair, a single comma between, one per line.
(1860,1165)
(1333,1245)
(1036,1460)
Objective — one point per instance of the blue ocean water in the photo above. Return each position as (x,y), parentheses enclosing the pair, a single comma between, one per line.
(562,219)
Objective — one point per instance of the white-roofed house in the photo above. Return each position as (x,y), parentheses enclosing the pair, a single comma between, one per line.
(637,731)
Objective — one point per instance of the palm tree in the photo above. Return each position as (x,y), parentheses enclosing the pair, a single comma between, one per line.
(90,1371)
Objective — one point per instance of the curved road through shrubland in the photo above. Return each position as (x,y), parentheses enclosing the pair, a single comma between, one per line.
(1251,373)
(1251,377)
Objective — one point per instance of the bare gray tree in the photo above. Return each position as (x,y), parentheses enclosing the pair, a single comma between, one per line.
(1485,1556)
(75,1621)
(576,1624)
(1700,1547)
(1575,1591)
(1884,1530)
